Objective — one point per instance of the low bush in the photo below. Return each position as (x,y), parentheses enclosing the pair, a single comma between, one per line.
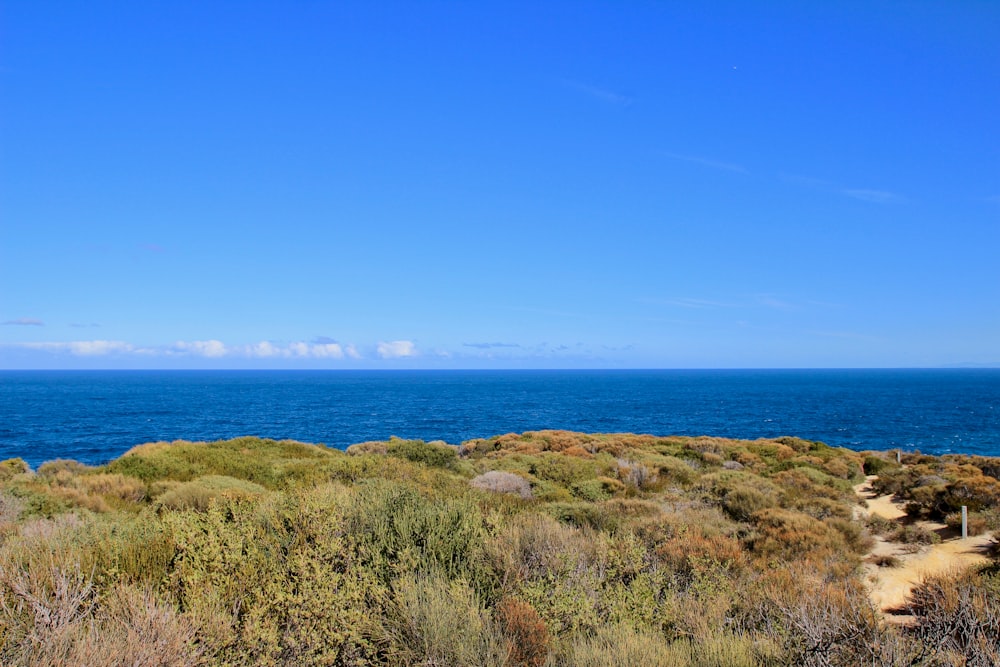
(437,621)
(914,534)
(434,454)
(526,632)
(975,524)
(199,493)
(884,560)
(9,468)
(499,481)
(876,464)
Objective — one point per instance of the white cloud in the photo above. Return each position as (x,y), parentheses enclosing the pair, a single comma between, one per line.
(86,348)
(326,350)
(203,348)
(396,349)
(265,349)
(215,349)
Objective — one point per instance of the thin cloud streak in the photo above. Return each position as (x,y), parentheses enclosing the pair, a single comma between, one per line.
(23,322)
(603,94)
(487,346)
(871,195)
(687,302)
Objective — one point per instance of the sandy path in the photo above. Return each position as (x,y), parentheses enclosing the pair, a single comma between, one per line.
(890,586)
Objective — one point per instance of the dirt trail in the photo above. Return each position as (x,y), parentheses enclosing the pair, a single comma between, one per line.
(890,586)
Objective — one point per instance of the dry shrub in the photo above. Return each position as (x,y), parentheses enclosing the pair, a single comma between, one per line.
(42,531)
(114,485)
(526,631)
(976,523)
(914,534)
(369,447)
(134,627)
(958,618)
(577,450)
(10,511)
(622,645)
(784,534)
(880,525)
(855,535)
(840,468)
(535,546)
(884,560)
(745,458)
(499,481)
(62,468)
(712,459)
(798,444)
(632,507)
(685,541)
(434,621)
(73,496)
(43,608)
(636,474)
(821,508)
(835,625)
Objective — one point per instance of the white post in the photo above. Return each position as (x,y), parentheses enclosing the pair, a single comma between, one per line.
(899,456)
(965,522)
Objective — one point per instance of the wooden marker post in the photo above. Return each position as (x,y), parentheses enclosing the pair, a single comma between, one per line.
(965,522)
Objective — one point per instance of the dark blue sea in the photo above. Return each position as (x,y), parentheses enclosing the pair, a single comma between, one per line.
(95,416)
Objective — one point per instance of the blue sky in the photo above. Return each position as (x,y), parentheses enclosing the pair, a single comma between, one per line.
(499,185)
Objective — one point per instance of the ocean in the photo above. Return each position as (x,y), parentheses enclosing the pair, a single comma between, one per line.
(95,416)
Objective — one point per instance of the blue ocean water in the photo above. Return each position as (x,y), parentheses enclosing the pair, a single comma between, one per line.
(95,416)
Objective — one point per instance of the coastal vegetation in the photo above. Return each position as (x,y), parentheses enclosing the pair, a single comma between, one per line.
(533,549)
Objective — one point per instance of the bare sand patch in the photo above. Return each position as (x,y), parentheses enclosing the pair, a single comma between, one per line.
(890,587)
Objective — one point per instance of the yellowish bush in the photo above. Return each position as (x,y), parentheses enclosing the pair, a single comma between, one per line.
(114,485)
(199,493)
(434,621)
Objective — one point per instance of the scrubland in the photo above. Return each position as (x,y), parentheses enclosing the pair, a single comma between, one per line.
(542,548)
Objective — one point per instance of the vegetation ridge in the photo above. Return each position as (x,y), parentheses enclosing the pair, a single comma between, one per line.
(532,549)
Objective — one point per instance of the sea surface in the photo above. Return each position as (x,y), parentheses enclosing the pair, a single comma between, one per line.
(95,416)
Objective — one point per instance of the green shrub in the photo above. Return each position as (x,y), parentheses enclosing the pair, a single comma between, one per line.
(875,464)
(434,454)
(11,467)
(394,530)
(593,490)
(624,646)
(271,580)
(583,515)
(743,501)
(256,460)
(435,620)
(199,493)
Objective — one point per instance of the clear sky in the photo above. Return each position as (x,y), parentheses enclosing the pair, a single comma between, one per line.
(499,184)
